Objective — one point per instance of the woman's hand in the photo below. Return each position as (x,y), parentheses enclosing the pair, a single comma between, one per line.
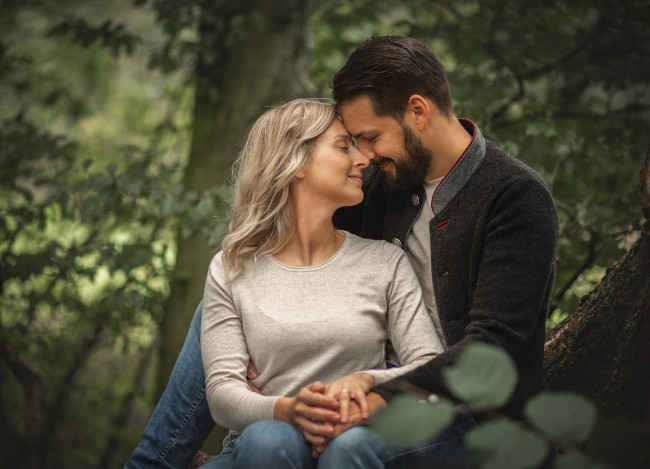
(351,387)
(311,411)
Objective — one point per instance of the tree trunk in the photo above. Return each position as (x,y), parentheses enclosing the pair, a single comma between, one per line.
(248,60)
(603,349)
(256,71)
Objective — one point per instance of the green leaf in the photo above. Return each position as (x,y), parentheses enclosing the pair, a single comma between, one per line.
(619,441)
(504,445)
(565,418)
(578,461)
(409,421)
(484,377)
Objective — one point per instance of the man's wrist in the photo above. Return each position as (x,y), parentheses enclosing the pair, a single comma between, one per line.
(375,401)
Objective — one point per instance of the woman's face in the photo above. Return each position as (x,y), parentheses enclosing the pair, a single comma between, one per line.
(334,172)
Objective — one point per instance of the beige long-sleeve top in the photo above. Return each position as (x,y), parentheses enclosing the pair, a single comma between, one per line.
(302,324)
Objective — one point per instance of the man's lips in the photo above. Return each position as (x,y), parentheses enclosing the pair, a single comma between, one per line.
(383,164)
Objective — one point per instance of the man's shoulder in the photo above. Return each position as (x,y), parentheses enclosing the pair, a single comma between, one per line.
(509,169)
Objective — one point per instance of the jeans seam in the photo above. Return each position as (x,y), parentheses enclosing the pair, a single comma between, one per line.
(173,441)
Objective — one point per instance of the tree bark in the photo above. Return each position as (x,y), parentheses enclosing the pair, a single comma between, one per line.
(603,349)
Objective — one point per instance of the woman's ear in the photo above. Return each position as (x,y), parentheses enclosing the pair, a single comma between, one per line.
(300,174)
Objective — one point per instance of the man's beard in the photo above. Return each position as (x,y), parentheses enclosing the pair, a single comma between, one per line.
(411,170)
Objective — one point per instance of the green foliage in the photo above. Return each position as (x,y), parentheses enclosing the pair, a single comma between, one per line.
(565,418)
(578,461)
(619,441)
(565,422)
(502,444)
(91,159)
(483,378)
(419,421)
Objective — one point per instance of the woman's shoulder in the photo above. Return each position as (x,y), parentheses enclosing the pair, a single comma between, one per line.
(376,249)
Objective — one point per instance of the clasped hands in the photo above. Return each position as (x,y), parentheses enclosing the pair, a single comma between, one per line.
(321,412)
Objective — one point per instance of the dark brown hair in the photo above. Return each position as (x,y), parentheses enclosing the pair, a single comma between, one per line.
(389,69)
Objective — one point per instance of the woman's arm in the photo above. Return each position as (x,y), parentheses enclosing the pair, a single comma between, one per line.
(408,325)
(225,357)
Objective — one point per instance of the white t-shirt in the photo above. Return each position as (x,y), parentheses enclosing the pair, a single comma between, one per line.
(418,249)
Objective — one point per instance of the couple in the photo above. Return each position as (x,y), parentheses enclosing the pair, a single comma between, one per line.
(310,303)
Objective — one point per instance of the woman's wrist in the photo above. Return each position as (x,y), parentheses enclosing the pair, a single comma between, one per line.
(282,408)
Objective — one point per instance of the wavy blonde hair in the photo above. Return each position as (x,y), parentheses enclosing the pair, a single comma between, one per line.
(279,145)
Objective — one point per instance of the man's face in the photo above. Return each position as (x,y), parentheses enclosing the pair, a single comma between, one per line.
(388,144)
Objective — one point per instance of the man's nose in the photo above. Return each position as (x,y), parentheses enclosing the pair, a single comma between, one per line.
(366,150)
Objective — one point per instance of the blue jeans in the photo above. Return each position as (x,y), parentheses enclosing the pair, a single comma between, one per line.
(181,421)
(278,445)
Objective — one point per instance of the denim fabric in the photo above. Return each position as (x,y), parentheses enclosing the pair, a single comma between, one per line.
(358,448)
(224,459)
(181,421)
(267,444)
(278,445)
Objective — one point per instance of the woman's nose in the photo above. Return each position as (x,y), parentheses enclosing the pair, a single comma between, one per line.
(361,160)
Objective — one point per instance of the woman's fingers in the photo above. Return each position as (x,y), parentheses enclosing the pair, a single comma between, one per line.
(344,401)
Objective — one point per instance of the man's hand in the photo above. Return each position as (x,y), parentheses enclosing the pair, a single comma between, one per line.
(251,374)
(375,402)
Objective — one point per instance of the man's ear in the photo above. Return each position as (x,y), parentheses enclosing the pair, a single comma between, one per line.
(418,112)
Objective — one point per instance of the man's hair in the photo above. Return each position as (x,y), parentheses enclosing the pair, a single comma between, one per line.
(280,143)
(389,69)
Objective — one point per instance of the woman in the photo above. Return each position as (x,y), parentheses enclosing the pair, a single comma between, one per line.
(301,300)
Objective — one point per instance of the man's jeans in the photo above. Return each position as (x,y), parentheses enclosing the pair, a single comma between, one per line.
(181,421)
(278,445)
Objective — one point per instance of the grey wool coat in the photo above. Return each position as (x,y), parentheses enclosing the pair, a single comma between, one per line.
(493,249)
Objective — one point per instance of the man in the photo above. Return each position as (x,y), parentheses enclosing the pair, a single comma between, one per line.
(479,226)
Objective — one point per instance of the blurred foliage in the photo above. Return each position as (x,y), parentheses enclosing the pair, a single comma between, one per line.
(561,427)
(95,112)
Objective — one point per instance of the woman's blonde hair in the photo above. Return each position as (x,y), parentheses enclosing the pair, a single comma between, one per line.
(279,145)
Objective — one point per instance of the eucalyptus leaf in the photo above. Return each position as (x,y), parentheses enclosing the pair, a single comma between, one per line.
(578,461)
(484,377)
(504,445)
(565,418)
(409,421)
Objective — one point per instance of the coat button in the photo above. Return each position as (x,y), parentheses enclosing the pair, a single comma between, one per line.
(415,200)
(397,242)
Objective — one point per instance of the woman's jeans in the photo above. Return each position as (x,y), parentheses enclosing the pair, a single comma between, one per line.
(277,445)
(181,422)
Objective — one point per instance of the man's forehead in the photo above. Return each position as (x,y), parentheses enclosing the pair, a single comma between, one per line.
(360,119)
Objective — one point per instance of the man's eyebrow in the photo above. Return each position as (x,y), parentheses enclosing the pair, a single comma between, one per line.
(362,133)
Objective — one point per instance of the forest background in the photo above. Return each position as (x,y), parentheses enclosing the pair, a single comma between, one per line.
(118,124)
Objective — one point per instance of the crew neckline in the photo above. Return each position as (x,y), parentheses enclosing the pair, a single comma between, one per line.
(336,254)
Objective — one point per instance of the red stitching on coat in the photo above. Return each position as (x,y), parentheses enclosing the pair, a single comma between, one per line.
(442,225)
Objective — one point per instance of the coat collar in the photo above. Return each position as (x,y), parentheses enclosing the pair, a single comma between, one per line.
(462,170)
